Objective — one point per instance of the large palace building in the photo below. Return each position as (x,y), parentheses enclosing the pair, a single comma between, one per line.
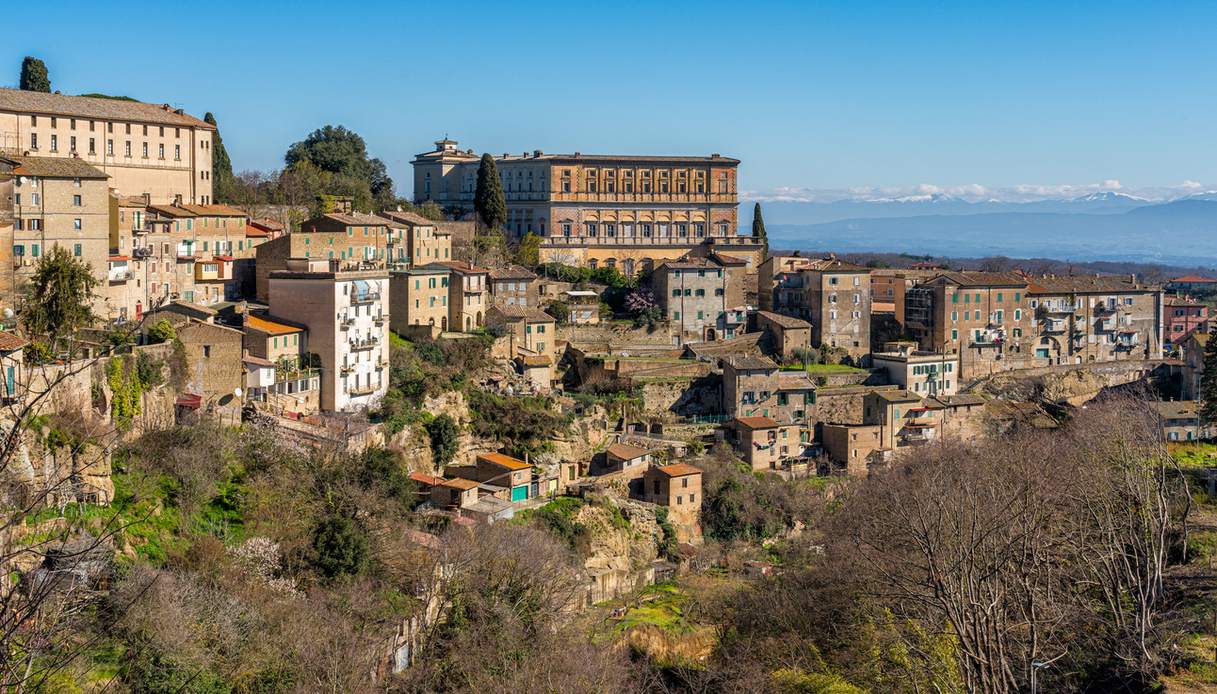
(150,150)
(626,211)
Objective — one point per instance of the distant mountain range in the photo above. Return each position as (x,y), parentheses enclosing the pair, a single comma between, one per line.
(1102,226)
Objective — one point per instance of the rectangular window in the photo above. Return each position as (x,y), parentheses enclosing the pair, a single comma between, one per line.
(76,250)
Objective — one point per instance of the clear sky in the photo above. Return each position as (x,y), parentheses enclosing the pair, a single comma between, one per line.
(810,95)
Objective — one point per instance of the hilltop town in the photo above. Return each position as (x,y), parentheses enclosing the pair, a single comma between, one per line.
(577,362)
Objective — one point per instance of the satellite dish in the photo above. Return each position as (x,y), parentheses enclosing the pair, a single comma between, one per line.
(8,313)
(237,391)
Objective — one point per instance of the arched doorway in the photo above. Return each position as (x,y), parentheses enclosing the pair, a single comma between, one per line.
(627,267)
(443,323)
(711,334)
(479,323)
(592,263)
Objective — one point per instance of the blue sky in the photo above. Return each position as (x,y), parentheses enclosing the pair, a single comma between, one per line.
(810,95)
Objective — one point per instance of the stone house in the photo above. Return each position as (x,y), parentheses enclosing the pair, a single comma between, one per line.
(455,493)
(213,362)
(512,475)
(632,460)
(854,446)
(678,487)
(784,335)
(701,296)
(512,286)
(529,331)
(418,300)
(765,444)
(1181,420)
(467,292)
(757,387)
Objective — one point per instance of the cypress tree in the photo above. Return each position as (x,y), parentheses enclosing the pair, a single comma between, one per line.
(1208,383)
(221,165)
(34,77)
(488,200)
(758,222)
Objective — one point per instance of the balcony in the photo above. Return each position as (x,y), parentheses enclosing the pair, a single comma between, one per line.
(379,319)
(117,276)
(1054,326)
(1106,325)
(142,252)
(346,369)
(1101,309)
(362,390)
(366,343)
(185,252)
(365,298)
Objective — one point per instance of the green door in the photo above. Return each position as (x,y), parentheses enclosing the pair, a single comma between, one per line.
(519,493)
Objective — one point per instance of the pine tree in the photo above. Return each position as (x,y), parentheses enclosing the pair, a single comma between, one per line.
(488,200)
(34,77)
(1208,383)
(758,223)
(221,165)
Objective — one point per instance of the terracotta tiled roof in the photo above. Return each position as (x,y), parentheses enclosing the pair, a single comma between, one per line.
(756,422)
(748,362)
(459,483)
(511,272)
(404,217)
(528,314)
(1176,409)
(626,451)
(424,478)
(252,231)
(983,279)
(269,326)
(54,167)
(462,266)
(784,320)
(505,461)
(10,342)
(94,107)
(1086,284)
(196,210)
(679,470)
(1194,279)
(898,396)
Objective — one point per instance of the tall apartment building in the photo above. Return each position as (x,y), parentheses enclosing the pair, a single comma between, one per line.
(347,316)
(625,211)
(836,301)
(52,202)
(984,317)
(702,297)
(356,241)
(145,149)
(1084,318)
